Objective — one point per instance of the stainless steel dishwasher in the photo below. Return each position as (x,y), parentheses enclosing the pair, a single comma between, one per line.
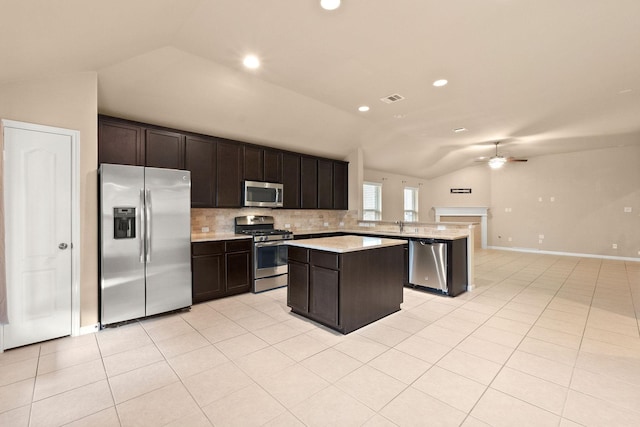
(428,264)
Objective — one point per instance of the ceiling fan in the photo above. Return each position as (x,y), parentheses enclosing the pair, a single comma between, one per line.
(497,161)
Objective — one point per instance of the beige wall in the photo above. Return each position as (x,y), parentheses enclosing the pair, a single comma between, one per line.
(68,101)
(590,190)
(393,195)
(477,178)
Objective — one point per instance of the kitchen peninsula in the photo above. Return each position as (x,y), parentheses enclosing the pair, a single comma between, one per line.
(346,282)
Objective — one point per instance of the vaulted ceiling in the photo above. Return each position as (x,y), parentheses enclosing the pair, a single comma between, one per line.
(542,76)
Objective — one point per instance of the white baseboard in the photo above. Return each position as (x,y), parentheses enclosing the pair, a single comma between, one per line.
(90,329)
(538,251)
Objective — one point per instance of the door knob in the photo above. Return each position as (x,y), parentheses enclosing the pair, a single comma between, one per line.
(62,246)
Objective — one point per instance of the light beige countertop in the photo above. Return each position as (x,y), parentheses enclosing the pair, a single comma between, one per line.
(342,244)
(213,236)
(431,234)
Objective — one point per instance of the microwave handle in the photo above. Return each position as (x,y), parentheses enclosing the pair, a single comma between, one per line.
(278,195)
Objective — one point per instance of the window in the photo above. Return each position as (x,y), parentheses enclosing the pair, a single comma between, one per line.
(372,201)
(410,204)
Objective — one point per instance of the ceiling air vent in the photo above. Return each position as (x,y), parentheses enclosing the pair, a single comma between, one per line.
(392,98)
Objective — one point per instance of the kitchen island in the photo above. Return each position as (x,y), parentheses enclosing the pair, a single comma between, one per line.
(346,282)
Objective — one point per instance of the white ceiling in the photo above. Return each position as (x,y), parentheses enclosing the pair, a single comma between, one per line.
(544,76)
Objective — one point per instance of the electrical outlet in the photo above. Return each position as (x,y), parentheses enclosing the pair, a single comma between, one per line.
(326,224)
(552,199)
(540,236)
(539,199)
(540,241)
(341,224)
(205,229)
(510,239)
(628,209)
(287,226)
(614,246)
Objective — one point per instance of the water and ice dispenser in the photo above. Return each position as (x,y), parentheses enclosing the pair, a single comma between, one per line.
(124,223)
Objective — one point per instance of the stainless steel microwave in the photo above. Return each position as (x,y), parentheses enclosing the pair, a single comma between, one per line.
(263,194)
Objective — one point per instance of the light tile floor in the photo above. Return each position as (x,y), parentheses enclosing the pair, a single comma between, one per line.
(542,340)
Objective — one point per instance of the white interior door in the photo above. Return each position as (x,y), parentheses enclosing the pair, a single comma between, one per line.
(38,209)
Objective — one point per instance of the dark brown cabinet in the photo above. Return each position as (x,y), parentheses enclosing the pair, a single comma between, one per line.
(345,291)
(253,163)
(219,166)
(230,161)
(220,268)
(207,264)
(298,296)
(200,160)
(325,184)
(308,182)
(272,166)
(120,142)
(164,149)
(238,266)
(340,185)
(291,180)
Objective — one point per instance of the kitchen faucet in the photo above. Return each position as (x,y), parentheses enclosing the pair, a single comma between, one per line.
(401,225)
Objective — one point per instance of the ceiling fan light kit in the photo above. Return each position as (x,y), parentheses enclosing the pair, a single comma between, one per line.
(497,162)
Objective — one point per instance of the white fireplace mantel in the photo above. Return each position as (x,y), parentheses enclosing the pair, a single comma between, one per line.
(480,211)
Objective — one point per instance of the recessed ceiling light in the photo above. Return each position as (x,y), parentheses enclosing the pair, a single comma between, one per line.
(330,4)
(363,108)
(458,130)
(440,83)
(623,91)
(251,61)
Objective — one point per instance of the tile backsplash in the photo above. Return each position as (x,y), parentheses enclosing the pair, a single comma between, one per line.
(221,220)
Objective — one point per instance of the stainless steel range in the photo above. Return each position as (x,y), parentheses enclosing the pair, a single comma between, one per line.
(269,251)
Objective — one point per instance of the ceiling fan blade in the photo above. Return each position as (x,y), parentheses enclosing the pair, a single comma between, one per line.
(513,159)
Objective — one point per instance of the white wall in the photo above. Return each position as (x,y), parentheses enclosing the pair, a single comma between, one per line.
(68,101)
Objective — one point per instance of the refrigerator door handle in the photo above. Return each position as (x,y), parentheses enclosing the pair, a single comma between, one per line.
(147,231)
(142,222)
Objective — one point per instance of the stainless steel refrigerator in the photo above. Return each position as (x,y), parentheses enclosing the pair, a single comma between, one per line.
(145,241)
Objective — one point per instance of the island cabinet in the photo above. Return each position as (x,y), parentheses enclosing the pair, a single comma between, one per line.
(345,290)
(220,268)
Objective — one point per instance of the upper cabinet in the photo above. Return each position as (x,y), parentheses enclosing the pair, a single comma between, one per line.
(273,166)
(325,184)
(201,160)
(120,142)
(308,182)
(340,185)
(253,163)
(164,149)
(230,163)
(219,166)
(291,180)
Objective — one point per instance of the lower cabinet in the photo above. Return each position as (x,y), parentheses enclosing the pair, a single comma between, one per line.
(345,291)
(220,268)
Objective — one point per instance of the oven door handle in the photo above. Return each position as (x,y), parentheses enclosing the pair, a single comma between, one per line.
(276,243)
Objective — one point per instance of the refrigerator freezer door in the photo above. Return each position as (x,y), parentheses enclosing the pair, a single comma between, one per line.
(168,256)
(122,265)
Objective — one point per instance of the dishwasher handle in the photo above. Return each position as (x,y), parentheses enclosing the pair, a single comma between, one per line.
(425,242)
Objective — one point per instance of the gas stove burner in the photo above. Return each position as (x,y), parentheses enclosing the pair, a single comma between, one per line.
(261,228)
